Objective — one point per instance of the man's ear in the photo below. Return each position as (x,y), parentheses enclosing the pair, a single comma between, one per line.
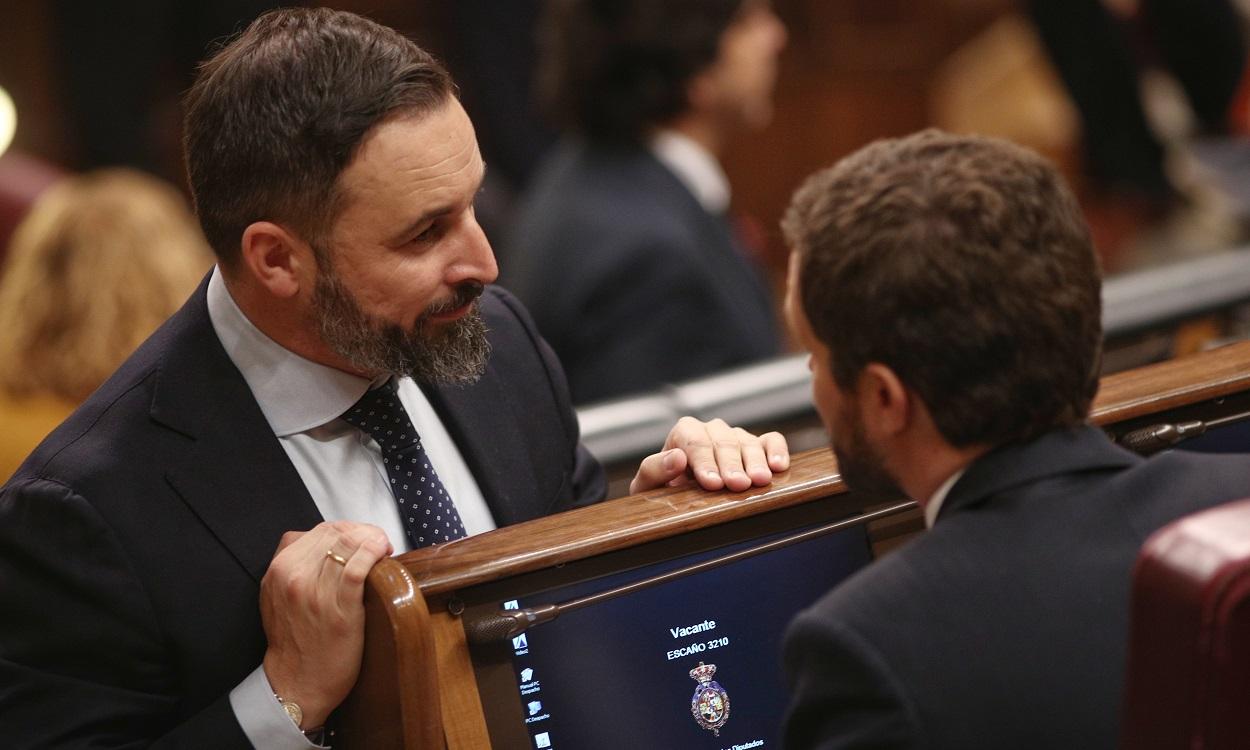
(276,259)
(885,401)
(701,91)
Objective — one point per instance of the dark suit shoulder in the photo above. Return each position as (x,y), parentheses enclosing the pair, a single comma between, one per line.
(1044,531)
(1176,483)
(846,695)
(520,357)
(522,402)
(626,272)
(1017,603)
(597,210)
(113,429)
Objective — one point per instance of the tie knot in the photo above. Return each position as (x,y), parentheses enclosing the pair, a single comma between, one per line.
(381,414)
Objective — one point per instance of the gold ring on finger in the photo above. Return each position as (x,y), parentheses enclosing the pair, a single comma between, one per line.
(336,558)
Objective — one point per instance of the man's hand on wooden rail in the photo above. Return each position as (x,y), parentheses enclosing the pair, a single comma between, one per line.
(312,609)
(714,455)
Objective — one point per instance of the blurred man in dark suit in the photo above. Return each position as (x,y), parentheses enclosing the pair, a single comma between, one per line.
(949,296)
(623,249)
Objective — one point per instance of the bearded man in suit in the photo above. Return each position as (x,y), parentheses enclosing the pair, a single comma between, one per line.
(345,384)
(949,295)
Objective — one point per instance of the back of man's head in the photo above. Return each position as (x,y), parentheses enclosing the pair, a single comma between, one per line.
(277,114)
(613,69)
(964,265)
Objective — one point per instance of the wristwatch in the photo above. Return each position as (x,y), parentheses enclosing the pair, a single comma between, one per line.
(292,709)
(316,734)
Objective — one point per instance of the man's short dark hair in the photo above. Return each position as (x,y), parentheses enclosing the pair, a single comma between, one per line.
(277,114)
(612,69)
(964,265)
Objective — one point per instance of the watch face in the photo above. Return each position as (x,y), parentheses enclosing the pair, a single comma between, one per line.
(293,710)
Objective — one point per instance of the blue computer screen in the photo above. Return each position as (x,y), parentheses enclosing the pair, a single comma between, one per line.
(618,674)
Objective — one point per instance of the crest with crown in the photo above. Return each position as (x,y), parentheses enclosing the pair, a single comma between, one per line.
(710,703)
(703,672)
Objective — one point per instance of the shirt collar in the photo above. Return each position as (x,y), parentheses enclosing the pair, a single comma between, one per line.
(295,394)
(934,506)
(695,167)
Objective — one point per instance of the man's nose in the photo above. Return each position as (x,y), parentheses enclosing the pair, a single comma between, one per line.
(476,259)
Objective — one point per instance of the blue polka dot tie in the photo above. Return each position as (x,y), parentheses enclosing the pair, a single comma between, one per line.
(428,514)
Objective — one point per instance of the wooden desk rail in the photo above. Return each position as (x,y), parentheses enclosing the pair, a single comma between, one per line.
(416,687)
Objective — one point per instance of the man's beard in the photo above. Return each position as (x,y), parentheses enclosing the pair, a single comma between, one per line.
(859,462)
(453,353)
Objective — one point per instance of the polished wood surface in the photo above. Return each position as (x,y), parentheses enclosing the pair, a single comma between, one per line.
(1168,385)
(396,691)
(616,524)
(462,706)
(440,572)
(629,521)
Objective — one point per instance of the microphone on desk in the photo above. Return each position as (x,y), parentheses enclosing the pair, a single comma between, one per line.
(1156,437)
(508,623)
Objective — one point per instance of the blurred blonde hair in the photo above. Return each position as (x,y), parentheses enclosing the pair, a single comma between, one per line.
(101,261)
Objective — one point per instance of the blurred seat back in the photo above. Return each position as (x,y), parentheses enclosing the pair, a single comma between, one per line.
(1188,676)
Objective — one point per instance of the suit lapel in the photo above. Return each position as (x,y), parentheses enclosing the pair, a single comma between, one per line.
(1062,451)
(235,476)
(723,256)
(481,422)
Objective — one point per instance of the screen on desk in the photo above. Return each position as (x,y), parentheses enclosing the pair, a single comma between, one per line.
(690,663)
(1233,438)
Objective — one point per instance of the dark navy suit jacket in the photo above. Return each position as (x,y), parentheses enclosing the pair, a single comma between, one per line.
(1004,626)
(133,540)
(629,278)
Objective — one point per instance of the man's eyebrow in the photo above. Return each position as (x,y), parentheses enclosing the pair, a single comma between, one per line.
(428,217)
(434,213)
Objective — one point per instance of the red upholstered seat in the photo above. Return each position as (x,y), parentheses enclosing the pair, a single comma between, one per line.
(1188,678)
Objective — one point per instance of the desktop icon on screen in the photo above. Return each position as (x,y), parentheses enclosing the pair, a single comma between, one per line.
(512,604)
(520,643)
(534,707)
(542,739)
(527,674)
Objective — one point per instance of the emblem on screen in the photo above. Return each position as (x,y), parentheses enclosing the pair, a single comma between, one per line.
(710,703)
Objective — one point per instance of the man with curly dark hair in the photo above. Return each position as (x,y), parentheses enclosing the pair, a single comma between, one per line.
(622,249)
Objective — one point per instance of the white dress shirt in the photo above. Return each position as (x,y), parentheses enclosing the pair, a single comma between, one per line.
(340,465)
(934,506)
(695,167)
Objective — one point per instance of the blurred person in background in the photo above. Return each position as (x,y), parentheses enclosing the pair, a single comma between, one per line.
(1100,49)
(101,260)
(623,249)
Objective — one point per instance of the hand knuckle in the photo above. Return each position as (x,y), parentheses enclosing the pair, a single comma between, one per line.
(292,586)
